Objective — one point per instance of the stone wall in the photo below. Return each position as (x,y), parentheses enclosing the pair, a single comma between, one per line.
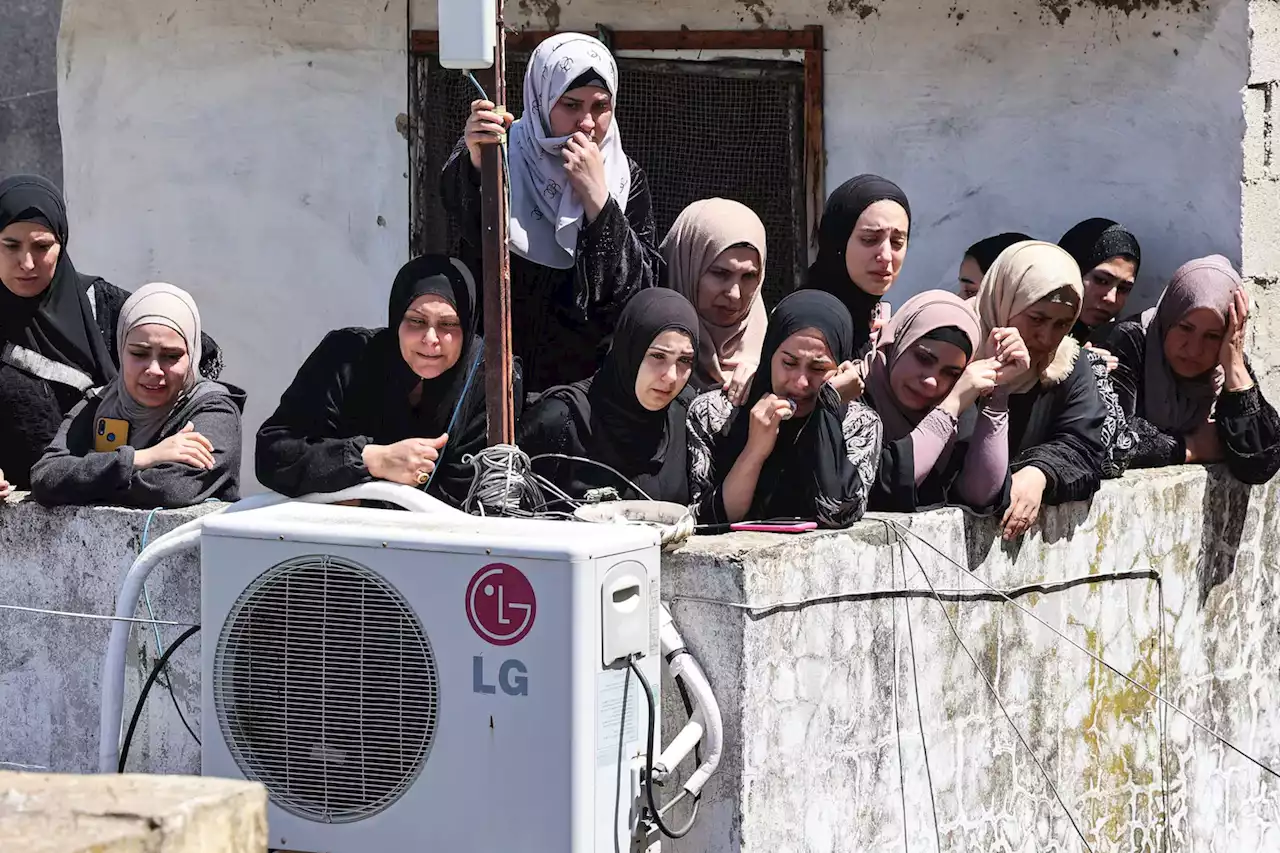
(64,813)
(1260,212)
(837,670)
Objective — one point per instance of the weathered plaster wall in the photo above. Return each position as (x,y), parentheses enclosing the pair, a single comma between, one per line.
(247,151)
(1008,115)
(819,761)
(816,759)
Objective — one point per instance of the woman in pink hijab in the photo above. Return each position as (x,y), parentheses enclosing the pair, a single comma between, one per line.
(715,257)
(1185,382)
(945,413)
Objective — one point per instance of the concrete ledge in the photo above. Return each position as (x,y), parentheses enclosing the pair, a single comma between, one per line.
(837,670)
(130,814)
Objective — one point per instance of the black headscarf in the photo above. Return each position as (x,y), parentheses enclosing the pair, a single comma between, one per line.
(59,323)
(432,416)
(1095,240)
(986,251)
(809,467)
(610,424)
(829,272)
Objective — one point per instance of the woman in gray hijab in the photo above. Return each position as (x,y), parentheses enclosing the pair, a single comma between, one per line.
(157,435)
(1185,382)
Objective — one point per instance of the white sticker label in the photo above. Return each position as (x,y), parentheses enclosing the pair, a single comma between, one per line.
(618,725)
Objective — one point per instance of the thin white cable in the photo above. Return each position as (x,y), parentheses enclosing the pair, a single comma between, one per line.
(915,681)
(45,612)
(1153,694)
(996,695)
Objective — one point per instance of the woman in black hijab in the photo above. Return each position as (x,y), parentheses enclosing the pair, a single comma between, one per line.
(1109,257)
(631,414)
(404,403)
(862,242)
(57,326)
(979,257)
(796,448)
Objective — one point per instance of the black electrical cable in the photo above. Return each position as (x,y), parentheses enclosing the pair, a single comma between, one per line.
(648,764)
(688,710)
(146,688)
(168,683)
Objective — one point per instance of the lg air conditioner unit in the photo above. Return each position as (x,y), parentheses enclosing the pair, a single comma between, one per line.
(441,682)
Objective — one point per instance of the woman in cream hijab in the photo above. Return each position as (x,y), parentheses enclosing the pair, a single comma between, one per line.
(158,435)
(1056,413)
(715,254)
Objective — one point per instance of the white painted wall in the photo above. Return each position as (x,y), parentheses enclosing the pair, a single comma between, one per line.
(245,150)
(994,116)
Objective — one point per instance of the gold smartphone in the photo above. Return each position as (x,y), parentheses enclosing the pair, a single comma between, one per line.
(110,434)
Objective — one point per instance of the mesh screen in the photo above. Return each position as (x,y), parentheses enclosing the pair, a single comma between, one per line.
(699,129)
(326,689)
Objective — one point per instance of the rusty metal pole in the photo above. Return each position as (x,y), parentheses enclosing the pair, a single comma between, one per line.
(497,268)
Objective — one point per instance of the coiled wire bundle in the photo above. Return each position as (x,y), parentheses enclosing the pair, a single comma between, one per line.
(505,484)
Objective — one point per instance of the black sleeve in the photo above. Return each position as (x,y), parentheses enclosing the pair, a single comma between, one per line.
(1250,433)
(31,410)
(545,429)
(1152,447)
(1071,457)
(460,193)
(300,449)
(70,473)
(617,257)
(894,489)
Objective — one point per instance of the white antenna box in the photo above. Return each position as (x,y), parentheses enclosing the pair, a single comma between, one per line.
(405,681)
(468,33)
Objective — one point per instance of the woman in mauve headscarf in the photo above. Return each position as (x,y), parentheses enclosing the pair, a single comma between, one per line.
(945,413)
(581,230)
(1058,420)
(631,415)
(158,434)
(1186,383)
(57,326)
(862,243)
(715,258)
(797,448)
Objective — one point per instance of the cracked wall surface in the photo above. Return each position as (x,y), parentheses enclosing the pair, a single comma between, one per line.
(837,669)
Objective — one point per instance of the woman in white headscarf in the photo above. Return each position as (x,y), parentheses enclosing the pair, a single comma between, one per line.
(157,435)
(582,229)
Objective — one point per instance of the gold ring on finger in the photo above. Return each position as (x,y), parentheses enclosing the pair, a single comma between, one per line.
(423,476)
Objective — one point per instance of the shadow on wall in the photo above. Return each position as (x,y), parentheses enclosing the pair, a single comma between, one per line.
(30,140)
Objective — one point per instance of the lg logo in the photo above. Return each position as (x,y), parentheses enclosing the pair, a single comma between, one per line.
(501,608)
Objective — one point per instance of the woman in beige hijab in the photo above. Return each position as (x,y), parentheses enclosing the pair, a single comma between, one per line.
(1057,416)
(715,258)
(158,434)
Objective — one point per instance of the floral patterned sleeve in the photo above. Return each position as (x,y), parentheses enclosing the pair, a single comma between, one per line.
(863,432)
(709,414)
(1118,438)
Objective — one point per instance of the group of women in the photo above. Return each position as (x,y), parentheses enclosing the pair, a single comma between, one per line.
(650,369)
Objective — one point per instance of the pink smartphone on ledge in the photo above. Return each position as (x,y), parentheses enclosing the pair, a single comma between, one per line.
(778,526)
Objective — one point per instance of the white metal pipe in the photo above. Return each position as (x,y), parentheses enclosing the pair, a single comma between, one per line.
(182,538)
